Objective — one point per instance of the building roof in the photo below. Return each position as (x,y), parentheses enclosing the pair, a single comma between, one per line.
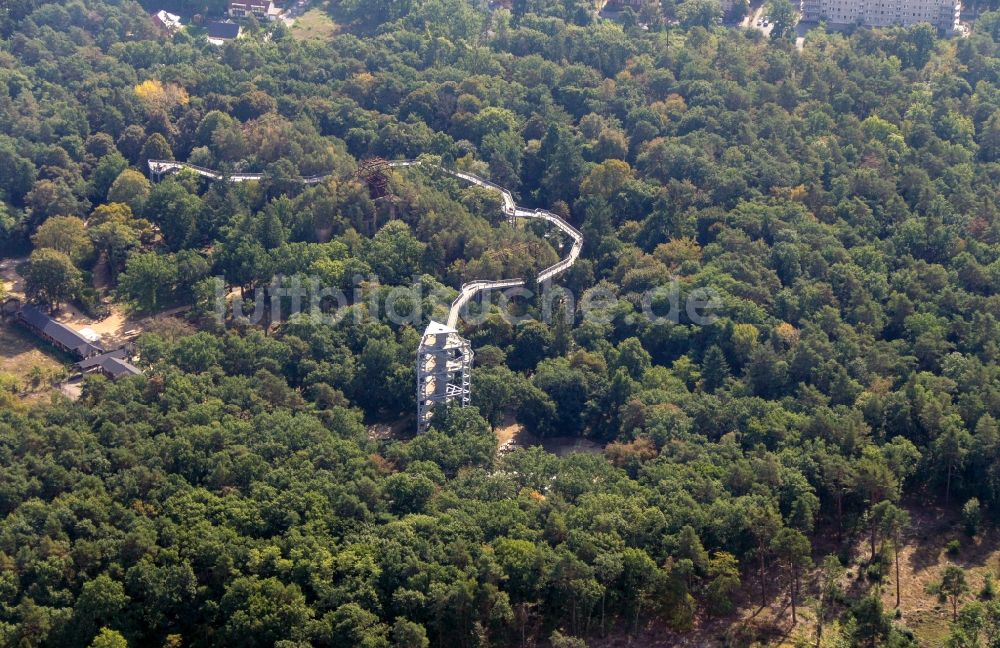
(168,21)
(62,334)
(223,30)
(112,363)
(438,336)
(168,18)
(118,368)
(10,306)
(90,363)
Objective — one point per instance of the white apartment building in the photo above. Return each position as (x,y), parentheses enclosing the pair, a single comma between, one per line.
(943,14)
(259,9)
(725,5)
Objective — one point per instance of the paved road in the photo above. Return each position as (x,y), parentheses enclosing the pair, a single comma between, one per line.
(756,14)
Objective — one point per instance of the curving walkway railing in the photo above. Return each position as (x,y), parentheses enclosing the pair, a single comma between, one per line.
(511,210)
(444,358)
(468,290)
(160,167)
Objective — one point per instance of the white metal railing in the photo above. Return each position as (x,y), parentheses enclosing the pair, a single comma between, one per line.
(468,290)
(510,208)
(437,374)
(160,167)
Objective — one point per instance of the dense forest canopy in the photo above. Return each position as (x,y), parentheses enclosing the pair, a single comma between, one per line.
(841,200)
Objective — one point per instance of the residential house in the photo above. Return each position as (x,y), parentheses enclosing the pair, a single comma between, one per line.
(169,22)
(255,8)
(259,9)
(223,30)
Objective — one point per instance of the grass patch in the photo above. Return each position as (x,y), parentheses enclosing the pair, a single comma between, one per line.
(930,627)
(315,24)
(924,556)
(35,365)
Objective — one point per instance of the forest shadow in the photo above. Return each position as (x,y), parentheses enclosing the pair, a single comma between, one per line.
(931,528)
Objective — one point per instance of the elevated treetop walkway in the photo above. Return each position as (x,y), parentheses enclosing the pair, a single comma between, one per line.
(468,290)
(513,212)
(444,358)
(159,168)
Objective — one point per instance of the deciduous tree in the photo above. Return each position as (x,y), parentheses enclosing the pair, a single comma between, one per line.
(51,277)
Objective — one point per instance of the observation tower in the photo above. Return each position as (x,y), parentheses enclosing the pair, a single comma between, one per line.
(444,367)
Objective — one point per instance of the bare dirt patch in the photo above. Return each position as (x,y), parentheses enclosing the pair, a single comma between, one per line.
(507,433)
(116,327)
(400,429)
(13,282)
(511,435)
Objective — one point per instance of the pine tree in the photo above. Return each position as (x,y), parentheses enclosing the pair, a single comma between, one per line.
(714,368)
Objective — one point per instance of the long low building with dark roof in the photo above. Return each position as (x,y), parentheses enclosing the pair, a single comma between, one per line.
(56,333)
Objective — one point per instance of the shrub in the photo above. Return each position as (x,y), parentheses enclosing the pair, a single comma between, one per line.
(874,572)
(971,516)
(988,593)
